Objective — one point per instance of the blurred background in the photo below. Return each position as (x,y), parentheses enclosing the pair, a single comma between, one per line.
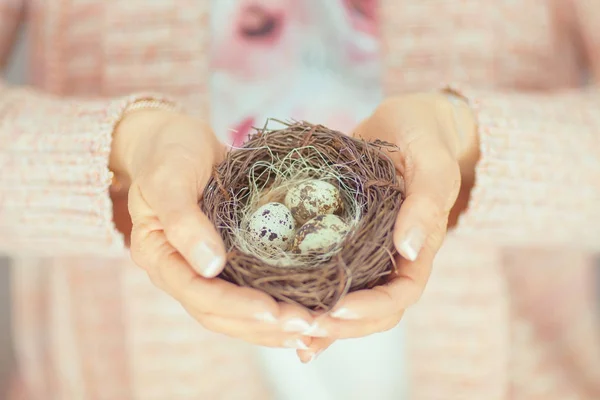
(16,74)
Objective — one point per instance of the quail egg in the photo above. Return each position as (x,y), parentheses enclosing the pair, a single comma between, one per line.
(272,227)
(320,235)
(312,198)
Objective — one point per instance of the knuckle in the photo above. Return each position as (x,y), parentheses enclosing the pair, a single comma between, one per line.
(218,295)
(192,311)
(454,190)
(137,253)
(151,271)
(437,237)
(440,229)
(166,264)
(144,240)
(432,209)
(389,324)
(155,273)
(419,293)
(213,325)
(207,323)
(155,278)
(175,227)
(137,257)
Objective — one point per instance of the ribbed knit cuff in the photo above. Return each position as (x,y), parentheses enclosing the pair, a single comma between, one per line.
(538,178)
(54,176)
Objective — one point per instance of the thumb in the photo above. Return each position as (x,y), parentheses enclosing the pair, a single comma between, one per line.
(172,197)
(432,180)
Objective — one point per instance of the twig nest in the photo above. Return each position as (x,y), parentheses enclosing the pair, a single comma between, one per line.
(342,237)
(320,234)
(312,198)
(272,227)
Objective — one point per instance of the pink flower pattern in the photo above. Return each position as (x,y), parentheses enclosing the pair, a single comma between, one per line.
(305,60)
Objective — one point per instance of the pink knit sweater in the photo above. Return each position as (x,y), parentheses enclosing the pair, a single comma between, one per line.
(509,310)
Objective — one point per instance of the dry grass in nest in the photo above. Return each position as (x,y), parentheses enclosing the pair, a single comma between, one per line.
(371,192)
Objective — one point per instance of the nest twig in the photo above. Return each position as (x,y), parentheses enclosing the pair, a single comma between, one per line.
(367,255)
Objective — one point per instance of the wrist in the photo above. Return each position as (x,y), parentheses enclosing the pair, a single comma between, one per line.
(464,128)
(131,133)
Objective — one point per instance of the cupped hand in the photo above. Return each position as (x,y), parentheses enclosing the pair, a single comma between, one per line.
(167,158)
(437,141)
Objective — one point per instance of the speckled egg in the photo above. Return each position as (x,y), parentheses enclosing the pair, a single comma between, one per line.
(272,227)
(320,234)
(312,198)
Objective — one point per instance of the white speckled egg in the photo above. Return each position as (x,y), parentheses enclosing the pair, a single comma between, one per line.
(320,234)
(312,198)
(272,227)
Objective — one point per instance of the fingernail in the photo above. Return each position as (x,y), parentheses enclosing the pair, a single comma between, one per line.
(314,356)
(315,330)
(206,261)
(344,313)
(295,344)
(296,325)
(265,317)
(412,244)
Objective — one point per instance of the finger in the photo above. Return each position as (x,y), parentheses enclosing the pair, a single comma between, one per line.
(261,334)
(296,319)
(404,290)
(348,329)
(290,318)
(171,193)
(432,179)
(170,272)
(316,348)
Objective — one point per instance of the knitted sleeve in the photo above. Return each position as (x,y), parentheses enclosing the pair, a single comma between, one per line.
(54,176)
(538,179)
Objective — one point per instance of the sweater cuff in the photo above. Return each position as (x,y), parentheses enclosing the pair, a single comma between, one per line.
(54,177)
(538,177)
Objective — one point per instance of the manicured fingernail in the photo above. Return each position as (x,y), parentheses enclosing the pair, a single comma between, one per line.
(295,344)
(265,317)
(315,331)
(412,244)
(297,325)
(344,313)
(206,261)
(313,357)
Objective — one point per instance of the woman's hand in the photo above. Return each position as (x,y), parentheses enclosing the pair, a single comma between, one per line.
(167,158)
(438,145)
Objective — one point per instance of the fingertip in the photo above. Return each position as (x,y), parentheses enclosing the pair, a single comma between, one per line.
(304,356)
(308,356)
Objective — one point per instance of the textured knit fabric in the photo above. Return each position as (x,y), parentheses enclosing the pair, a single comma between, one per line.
(508,313)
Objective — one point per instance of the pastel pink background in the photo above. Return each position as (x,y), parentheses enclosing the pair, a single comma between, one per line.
(276,58)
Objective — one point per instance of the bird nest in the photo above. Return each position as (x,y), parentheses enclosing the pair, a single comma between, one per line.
(271,163)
